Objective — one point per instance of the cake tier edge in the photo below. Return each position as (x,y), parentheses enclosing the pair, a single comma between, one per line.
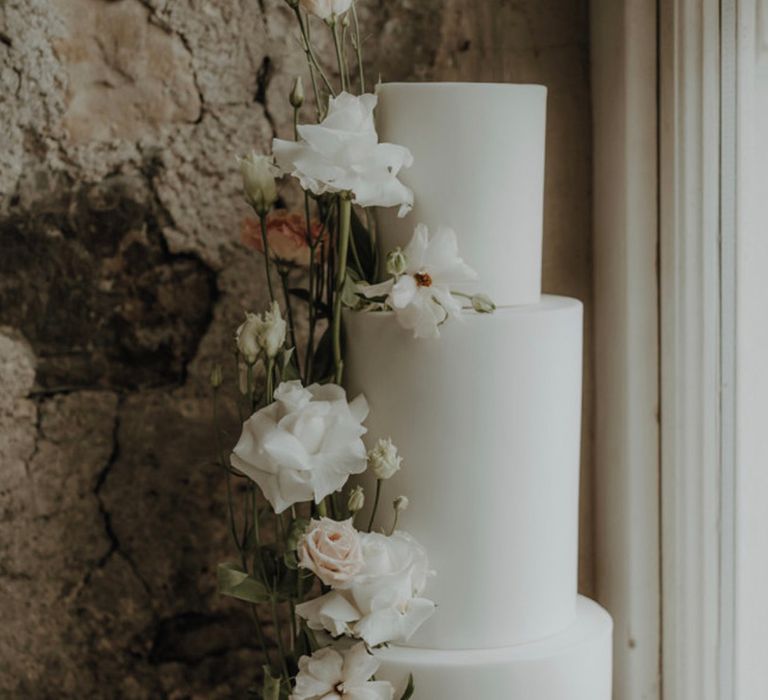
(572,665)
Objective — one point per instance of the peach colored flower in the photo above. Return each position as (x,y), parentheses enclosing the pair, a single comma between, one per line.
(286,237)
(332,551)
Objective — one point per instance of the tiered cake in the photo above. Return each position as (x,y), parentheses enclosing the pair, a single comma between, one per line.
(488,416)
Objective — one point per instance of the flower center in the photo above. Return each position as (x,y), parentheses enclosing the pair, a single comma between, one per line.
(423,279)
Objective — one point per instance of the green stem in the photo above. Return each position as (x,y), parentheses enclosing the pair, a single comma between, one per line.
(375,504)
(345,211)
(220,452)
(311,334)
(289,313)
(358,47)
(394,524)
(270,381)
(339,56)
(292,622)
(263,223)
(309,51)
(250,387)
(322,509)
(279,638)
(261,636)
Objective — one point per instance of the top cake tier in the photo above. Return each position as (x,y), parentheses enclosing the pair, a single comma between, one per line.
(478,168)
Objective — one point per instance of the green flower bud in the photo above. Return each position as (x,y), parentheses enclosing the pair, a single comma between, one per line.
(397,262)
(356,499)
(216,376)
(297,93)
(483,304)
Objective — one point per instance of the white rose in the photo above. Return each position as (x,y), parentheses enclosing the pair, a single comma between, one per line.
(326,8)
(383,603)
(343,154)
(332,551)
(261,334)
(259,174)
(304,445)
(383,459)
(421,297)
(330,675)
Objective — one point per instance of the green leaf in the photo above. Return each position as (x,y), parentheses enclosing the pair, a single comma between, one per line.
(362,254)
(349,295)
(235,582)
(271,689)
(409,689)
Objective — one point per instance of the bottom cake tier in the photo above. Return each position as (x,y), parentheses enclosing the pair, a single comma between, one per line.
(572,665)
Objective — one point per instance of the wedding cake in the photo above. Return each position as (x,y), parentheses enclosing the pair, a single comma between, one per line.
(488,417)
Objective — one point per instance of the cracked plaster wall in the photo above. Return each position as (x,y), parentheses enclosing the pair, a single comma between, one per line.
(121,278)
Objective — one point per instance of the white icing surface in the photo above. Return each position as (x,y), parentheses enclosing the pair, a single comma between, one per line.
(573,665)
(487,419)
(478,168)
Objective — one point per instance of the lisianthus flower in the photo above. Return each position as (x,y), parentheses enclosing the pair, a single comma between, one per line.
(304,445)
(259,184)
(343,154)
(286,237)
(421,296)
(332,675)
(326,8)
(261,335)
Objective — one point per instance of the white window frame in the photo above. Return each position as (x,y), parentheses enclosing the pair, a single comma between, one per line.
(625,113)
(681,147)
(691,376)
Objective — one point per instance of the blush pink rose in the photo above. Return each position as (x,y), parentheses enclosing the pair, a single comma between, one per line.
(286,237)
(332,551)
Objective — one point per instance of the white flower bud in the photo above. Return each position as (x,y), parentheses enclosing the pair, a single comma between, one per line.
(400,504)
(259,174)
(483,304)
(261,335)
(397,262)
(297,93)
(383,459)
(356,499)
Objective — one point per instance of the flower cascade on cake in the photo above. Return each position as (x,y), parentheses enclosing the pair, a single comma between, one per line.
(326,588)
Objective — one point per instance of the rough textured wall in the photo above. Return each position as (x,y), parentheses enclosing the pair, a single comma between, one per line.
(121,278)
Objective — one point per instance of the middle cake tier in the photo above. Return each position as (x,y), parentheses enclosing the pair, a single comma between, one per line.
(487,419)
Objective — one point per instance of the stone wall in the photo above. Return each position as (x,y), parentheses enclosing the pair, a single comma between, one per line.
(121,279)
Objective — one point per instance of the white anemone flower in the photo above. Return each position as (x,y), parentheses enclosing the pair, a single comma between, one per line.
(343,154)
(331,675)
(421,297)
